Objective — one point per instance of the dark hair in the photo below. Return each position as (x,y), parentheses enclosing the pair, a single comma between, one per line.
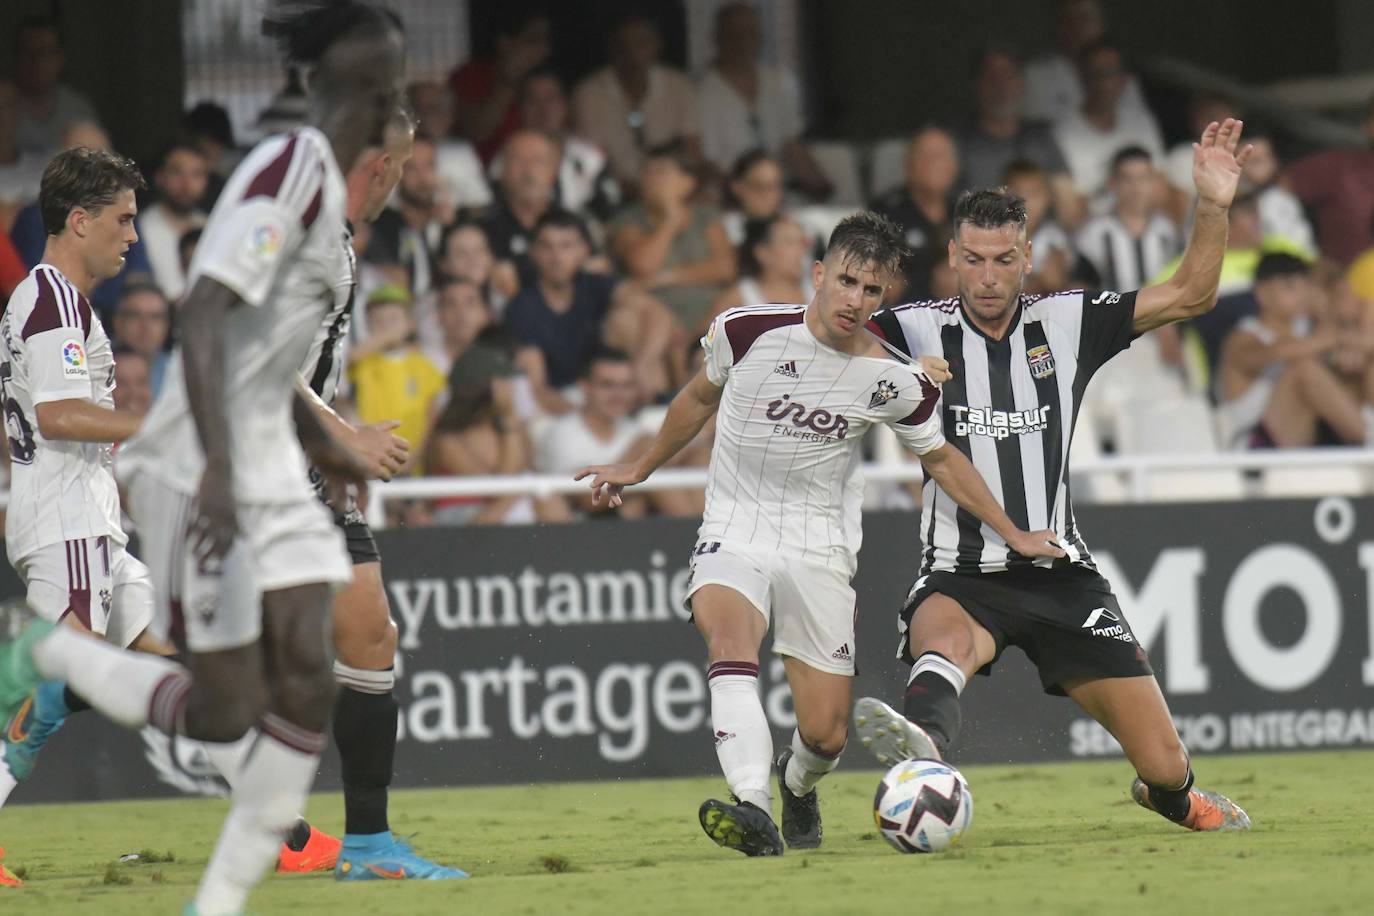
(47,22)
(756,232)
(463,222)
(134,287)
(490,355)
(188,241)
(603,354)
(85,178)
(305,29)
(178,145)
(1020,168)
(208,119)
(122,353)
(989,208)
(674,149)
(1280,264)
(745,162)
(446,280)
(997,48)
(867,237)
(542,72)
(559,218)
(1104,43)
(1129,154)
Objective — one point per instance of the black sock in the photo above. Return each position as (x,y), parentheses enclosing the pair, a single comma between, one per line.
(933,703)
(365,733)
(1173,803)
(298,835)
(74,703)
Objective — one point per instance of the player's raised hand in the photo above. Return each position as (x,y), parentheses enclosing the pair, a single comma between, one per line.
(936,368)
(380,450)
(610,478)
(1217,162)
(1042,543)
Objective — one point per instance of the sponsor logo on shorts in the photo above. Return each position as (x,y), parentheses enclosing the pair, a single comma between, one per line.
(818,425)
(722,737)
(886,392)
(842,653)
(788,369)
(999,424)
(106,599)
(1112,627)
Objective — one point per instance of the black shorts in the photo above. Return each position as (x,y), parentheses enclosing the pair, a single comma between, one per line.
(1066,620)
(362,546)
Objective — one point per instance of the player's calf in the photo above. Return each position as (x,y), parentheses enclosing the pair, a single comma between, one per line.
(932,698)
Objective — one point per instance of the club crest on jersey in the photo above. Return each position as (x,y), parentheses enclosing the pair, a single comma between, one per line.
(822,423)
(886,392)
(1041,361)
(74,359)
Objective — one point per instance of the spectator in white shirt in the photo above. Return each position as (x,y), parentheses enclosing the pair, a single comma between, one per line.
(462,183)
(1280,212)
(585,183)
(745,105)
(1091,134)
(180,180)
(1052,84)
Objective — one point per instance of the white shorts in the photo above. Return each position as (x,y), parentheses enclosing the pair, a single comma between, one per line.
(98,582)
(812,608)
(280,546)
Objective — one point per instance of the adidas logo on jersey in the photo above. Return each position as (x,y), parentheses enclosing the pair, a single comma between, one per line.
(842,653)
(788,369)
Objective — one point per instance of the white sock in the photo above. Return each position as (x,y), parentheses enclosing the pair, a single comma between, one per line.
(806,767)
(132,688)
(229,758)
(272,786)
(744,742)
(937,664)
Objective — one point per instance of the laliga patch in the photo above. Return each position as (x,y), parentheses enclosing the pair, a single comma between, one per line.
(1041,361)
(263,242)
(74,363)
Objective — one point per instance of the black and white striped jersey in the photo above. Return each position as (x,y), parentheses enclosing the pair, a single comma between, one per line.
(1010,408)
(323,365)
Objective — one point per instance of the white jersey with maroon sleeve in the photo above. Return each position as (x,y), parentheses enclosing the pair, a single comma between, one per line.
(53,348)
(785,468)
(274,238)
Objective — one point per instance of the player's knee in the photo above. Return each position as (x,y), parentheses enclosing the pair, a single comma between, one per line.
(954,643)
(304,688)
(828,740)
(228,719)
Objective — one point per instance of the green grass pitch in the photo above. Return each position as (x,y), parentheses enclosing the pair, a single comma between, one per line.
(1062,839)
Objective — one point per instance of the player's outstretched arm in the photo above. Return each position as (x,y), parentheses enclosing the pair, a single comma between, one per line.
(80,420)
(687,414)
(958,477)
(382,452)
(1192,290)
(205,316)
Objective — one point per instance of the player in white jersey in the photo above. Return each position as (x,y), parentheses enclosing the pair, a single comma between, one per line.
(794,392)
(62,531)
(1023,364)
(244,555)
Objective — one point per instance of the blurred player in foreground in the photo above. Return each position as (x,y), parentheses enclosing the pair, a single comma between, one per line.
(795,390)
(1020,365)
(244,556)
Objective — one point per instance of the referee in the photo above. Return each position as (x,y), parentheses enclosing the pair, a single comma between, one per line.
(1021,365)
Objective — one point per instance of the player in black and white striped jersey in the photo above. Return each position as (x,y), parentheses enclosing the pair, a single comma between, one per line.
(1020,366)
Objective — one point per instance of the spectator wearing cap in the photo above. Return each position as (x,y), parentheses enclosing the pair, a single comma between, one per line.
(671,244)
(636,103)
(567,312)
(392,378)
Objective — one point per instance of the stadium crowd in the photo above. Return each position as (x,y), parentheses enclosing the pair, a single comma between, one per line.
(538,286)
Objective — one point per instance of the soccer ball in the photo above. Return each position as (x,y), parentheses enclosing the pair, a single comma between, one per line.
(923,806)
